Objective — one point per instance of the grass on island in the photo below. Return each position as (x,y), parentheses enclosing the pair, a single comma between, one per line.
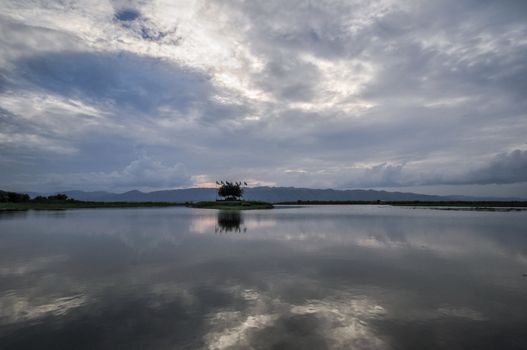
(232,205)
(73,204)
(475,204)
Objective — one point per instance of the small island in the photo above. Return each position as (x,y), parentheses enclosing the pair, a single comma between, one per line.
(231,194)
(232,205)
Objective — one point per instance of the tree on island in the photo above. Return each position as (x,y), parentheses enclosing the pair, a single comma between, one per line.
(230,190)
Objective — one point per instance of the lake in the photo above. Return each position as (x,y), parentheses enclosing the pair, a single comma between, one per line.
(320,277)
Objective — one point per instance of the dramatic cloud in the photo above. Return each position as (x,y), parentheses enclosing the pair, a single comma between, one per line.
(320,94)
(140,173)
(505,168)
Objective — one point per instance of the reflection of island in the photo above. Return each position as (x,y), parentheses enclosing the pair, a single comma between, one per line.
(230,221)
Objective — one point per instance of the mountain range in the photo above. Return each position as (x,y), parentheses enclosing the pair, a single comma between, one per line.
(268,194)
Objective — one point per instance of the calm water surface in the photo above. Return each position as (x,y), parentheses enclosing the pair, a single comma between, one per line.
(328,277)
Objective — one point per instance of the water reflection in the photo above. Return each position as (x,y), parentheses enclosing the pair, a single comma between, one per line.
(229,221)
(9,214)
(324,278)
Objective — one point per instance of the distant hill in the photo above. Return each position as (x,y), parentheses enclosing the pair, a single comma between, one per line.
(286,194)
(268,194)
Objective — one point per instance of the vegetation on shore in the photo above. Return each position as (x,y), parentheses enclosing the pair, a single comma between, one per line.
(438,205)
(231,205)
(73,204)
(475,204)
(22,201)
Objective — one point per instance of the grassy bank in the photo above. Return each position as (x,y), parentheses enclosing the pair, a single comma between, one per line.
(69,204)
(474,204)
(232,205)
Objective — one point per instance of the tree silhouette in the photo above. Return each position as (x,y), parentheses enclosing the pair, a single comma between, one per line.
(230,190)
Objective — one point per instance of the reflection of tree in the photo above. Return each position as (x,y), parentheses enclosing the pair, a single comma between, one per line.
(230,221)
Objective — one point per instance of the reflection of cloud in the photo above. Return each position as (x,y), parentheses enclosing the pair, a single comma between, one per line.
(341,319)
(203,224)
(343,275)
(346,320)
(238,335)
(460,312)
(15,308)
(249,294)
(388,228)
(410,313)
(261,223)
(28,266)
(166,292)
(374,242)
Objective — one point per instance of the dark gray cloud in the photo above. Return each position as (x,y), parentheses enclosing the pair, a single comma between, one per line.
(145,28)
(128,81)
(127,15)
(329,94)
(289,79)
(505,168)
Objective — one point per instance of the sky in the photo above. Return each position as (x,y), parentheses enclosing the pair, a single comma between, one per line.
(420,96)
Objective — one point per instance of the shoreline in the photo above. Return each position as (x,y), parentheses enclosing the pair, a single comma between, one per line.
(65,205)
(252,205)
